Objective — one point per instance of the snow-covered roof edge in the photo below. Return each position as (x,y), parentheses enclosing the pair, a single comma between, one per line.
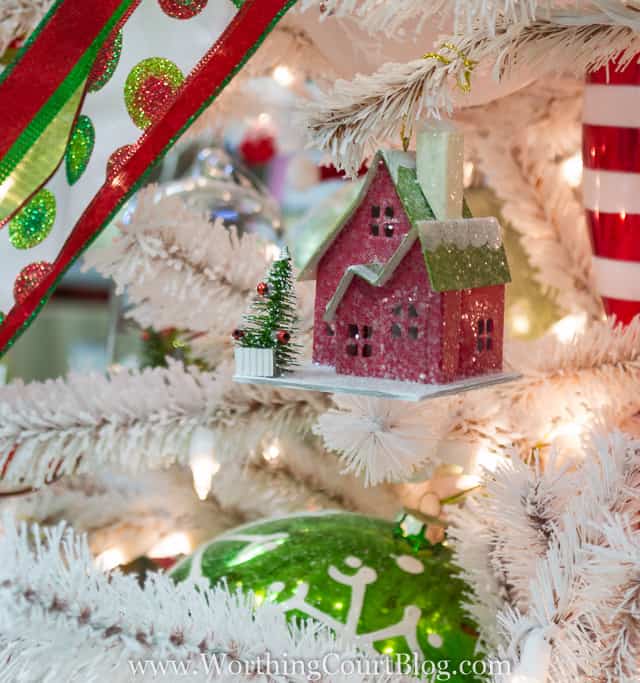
(460,233)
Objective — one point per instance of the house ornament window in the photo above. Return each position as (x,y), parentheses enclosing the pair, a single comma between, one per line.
(410,324)
(485,335)
(360,340)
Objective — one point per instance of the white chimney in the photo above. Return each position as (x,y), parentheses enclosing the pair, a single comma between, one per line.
(439,165)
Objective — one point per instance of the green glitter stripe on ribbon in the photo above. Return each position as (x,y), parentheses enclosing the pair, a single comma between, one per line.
(50,146)
(143,178)
(48,113)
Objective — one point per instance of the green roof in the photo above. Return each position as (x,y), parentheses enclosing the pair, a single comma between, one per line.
(459,254)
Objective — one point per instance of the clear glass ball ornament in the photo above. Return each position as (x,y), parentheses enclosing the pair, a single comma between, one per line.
(218,186)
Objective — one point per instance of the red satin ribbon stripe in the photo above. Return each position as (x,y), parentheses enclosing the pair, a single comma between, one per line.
(608,149)
(38,73)
(242,35)
(615,236)
(611,148)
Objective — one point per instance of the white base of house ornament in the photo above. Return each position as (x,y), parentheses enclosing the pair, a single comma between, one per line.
(258,363)
(325,379)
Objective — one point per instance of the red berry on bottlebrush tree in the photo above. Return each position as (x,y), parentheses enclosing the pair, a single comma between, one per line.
(283,337)
(262,288)
(237,334)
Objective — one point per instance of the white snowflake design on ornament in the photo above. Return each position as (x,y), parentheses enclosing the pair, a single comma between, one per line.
(365,576)
(256,543)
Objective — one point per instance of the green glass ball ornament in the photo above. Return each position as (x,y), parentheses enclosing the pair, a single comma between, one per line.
(353,574)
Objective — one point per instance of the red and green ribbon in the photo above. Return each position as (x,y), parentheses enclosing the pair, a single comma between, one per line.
(40,98)
(42,92)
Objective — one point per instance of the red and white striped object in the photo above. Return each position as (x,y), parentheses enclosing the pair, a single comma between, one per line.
(611,185)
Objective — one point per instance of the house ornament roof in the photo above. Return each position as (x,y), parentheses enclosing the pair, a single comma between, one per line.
(463,253)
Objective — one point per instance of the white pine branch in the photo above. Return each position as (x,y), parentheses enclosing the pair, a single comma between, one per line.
(576,579)
(144,420)
(379,15)
(134,420)
(603,343)
(356,116)
(62,618)
(179,269)
(519,143)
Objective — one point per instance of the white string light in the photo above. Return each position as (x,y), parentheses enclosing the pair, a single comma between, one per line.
(572,170)
(283,75)
(110,559)
(569,327)
(177,543)
(467,173)
(520,323)
(202,461)
(272,452)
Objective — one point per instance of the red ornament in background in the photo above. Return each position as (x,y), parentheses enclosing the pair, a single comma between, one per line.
(283,337)
(262,288)
(258,149)
(330,172)
(611,184)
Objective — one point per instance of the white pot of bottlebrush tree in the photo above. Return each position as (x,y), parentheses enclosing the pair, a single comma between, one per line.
(255,362)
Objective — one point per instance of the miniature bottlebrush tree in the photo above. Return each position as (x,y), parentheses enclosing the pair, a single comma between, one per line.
(271,323)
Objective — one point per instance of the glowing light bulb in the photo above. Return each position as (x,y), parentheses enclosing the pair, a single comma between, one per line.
(572,170)
(569,429)
(264,119)
(283,75)
(272,452)
(204,466)
(177,543)
(520,323)
(110,559)
(467,173)
(568,435)
(566,329)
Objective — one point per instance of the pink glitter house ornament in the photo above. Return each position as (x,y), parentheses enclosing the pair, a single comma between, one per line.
(408,285)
